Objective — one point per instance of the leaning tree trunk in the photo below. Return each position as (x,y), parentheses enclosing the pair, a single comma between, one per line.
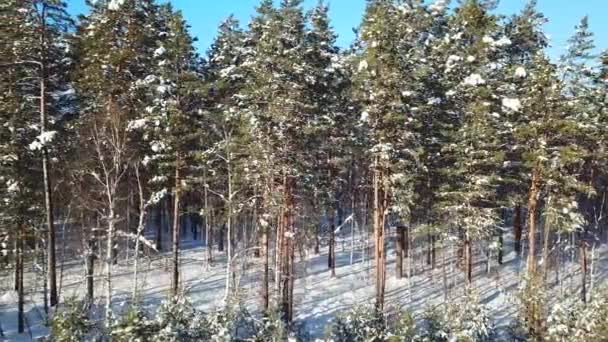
(176,230)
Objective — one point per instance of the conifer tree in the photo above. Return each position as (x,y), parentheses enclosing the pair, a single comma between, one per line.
(324,81)
(525,30)
(473,148)
(386,116)
(115,46)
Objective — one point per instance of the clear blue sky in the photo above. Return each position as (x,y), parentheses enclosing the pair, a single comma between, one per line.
(205,15)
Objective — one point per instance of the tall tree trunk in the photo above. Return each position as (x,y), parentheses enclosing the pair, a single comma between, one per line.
(533,311)
(517,230)
(431,252)
(90,271)
(468,259)
(220,238)
(176,229)
(208,230)
(286,256)
(380,257)
(331,261)
(399,248)
(159,227)
(317,240)
(500,246)
(20,288)
(48,197)
(546,248)
(229,233)
(583,261)
(532,209)
(266,273)
(109,249)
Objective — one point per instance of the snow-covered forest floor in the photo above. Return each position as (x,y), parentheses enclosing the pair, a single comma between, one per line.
(318,296)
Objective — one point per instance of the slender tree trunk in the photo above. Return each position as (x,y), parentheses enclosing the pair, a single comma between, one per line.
(380,257)
(399,248)
(331,261)
(109,249)
(546,248)
(532,208)
(468,259)
(584,268)
(517,230)
(266,273)
(159,227)
(20,288)
(141,225)
(90,270)
(220,239)
(208,230)
(176,229)
(48,198)
(228,231)
(353,222)
(287,253)
(317,240)
(534,319)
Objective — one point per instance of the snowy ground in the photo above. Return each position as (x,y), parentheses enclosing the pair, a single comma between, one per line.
(318,297)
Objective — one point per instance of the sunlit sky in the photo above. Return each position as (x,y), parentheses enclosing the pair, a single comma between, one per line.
(205,15)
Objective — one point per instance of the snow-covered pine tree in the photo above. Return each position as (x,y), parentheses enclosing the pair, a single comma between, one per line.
(276,97)
(176,100)
(526,32)
(18,130)
(328,124)
(389,121)
(549,138)
(256,96)
(230,135)
(37,67)
(115,44)
(473,149)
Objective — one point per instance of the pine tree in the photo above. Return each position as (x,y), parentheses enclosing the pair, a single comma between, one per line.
(387,118)
(525,30)
(175,105)
(115,45)
(325,80)
(230,126)
(256,96)
(474,149)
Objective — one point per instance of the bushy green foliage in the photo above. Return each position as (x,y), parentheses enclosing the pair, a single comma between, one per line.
(134,325)
(572,320)
(360,324)
(269,328)
(70,322)
(464,319)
